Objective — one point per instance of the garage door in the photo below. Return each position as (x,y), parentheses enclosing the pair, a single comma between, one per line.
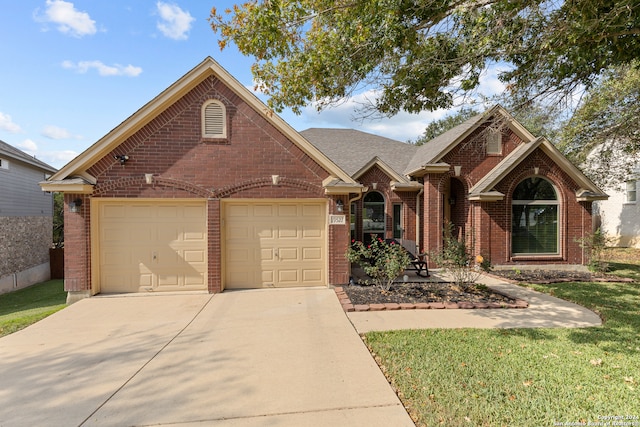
(152,246)
(275,244)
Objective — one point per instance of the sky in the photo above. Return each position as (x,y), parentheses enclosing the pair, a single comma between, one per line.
(71,71)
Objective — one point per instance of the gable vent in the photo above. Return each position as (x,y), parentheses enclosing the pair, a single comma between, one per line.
(214,120)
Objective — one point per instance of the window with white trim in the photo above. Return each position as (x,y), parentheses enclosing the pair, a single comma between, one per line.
(4,164)
(534,209)
(494,141)
(631,191)
(214,119)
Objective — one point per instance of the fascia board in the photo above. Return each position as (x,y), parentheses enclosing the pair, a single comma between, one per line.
(513,124)
(61,187)
(150,110)
(376,161)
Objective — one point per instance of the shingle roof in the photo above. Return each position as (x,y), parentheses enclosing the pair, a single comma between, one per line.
(352,149)
(16,154)
(431,151)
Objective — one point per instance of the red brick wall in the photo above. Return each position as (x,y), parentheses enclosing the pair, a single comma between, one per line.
(490,222)
(184,165)
(406,198)
(77,246)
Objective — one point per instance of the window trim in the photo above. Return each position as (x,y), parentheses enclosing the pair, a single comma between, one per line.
(627,192)
(223,134)
(4,164)
(557,204)
(491,133)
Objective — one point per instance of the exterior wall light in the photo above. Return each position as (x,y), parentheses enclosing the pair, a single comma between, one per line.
(74,206)
(122,158)
(339,205)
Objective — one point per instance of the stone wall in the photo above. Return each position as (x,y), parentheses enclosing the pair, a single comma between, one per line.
(24,243)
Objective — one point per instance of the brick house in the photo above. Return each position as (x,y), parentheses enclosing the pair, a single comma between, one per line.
(204,188)
(26,219)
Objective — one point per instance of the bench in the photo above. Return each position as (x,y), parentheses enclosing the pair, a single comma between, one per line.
(418,260)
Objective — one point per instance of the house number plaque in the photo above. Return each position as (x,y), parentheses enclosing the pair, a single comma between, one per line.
(337,219)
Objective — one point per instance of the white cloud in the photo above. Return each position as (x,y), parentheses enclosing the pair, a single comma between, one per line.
(175,23)
(6,123)
(28,146)
(103,69)
(69,20)
(55,132)
(58,159)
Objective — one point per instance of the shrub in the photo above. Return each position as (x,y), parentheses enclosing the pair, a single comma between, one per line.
(596,243)
(381,261)
(454,258)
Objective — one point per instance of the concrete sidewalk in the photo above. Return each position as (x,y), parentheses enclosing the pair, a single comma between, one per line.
(252,358)
(544,311)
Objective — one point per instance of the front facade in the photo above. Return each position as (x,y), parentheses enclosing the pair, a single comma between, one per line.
(514,198)
(204,188)
(26,219)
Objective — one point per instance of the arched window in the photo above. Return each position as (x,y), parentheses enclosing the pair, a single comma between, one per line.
(534,223)
(373,215)
(214,120)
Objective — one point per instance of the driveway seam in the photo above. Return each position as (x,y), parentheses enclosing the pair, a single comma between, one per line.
(277,414)
(145,364)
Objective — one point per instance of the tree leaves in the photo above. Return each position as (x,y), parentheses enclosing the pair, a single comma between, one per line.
(422,54)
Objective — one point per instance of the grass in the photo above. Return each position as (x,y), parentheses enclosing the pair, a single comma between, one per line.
(26,306)
(524,377)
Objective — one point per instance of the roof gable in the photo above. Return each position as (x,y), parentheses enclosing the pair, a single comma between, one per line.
(208,67)
(433,151)
(9,151)
(483,190)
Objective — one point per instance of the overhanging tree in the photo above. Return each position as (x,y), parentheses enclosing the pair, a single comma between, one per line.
(604,132)
(420,55)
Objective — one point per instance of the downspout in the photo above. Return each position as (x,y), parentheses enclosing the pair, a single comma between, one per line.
(359,196)
(418,218)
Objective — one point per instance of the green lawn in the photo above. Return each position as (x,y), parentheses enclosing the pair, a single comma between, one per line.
(524,377)
(22,308)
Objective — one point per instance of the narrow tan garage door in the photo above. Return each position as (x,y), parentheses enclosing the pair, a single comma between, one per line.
(152,246)
(275,244)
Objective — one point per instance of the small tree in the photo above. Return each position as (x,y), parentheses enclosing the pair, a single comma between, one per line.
(381,261)
(454,258)
(596,243)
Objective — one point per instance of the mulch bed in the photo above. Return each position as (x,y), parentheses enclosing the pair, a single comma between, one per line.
(555,276)
(423,295)
(441,295)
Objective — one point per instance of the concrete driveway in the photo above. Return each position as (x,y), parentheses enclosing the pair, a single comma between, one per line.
(247,358)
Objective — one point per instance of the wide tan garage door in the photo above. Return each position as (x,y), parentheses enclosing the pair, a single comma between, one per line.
(275,244)
(152,246)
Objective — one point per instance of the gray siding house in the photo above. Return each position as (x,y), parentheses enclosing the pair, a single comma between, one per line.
(26,219)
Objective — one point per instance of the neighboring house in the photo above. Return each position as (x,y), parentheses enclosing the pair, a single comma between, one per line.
(204,188)
(26,219)
(619,217)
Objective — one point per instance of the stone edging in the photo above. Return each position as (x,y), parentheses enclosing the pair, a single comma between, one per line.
(348,307)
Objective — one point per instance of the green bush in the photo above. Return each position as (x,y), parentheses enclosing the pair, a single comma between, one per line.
(454,258)
(596,243)
(381,261)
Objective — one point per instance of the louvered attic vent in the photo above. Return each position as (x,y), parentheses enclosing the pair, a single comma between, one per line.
(214,120)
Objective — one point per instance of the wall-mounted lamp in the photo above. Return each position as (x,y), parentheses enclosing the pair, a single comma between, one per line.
(122,158)
(452,200)
(74,206)
(339,205)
